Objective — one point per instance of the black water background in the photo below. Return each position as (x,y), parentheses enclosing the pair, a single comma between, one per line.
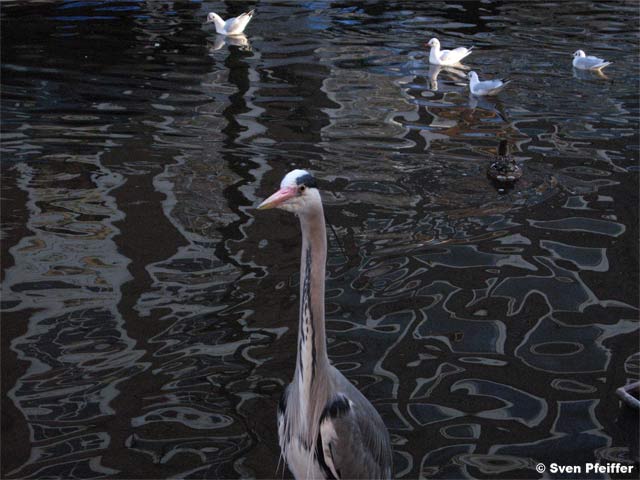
(149,312)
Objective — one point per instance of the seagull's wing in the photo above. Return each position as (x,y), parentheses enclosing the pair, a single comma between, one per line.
(455,55)
(490,84)
(490,87)
(443,55)
(592,63)
(236,25)
(352,440)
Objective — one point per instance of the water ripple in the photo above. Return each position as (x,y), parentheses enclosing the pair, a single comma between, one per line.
(158,310)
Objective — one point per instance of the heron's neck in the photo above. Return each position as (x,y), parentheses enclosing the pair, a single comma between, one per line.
(312,361)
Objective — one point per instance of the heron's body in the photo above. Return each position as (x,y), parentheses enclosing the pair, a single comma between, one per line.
(327,428)
(348,441)
(231,26)
(446,57)
(582,61)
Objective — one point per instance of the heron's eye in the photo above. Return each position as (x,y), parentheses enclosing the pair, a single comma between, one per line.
(302,188)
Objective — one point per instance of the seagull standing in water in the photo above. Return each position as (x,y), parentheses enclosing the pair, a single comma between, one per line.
(446,57)
(486,87)
(582,61)
(232,26)
(327,428)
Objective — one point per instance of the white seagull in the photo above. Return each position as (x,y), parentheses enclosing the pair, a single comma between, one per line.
(232,26)
(446,57)
(487,87)
(582,61)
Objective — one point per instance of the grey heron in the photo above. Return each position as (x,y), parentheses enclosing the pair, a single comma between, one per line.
(327,429)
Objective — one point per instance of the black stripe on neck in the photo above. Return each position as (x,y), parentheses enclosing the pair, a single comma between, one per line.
(306,317)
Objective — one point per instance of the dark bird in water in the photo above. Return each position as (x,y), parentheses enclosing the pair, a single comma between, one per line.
(327,428)
(504,169)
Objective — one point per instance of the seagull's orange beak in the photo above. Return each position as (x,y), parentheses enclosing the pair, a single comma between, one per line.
(278,198)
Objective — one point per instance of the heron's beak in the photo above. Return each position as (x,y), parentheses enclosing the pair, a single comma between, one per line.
(278,198)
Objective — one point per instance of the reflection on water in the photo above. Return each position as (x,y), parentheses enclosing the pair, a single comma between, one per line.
(151,319)
(71,275)
(240,41)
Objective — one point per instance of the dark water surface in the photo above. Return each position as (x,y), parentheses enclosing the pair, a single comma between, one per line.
(150,313)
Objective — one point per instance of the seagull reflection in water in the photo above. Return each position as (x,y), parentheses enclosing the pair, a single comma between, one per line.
(457,73)
(240,41)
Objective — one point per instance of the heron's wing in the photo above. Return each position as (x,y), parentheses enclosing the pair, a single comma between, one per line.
(353,441)
(454,55)
(283,433)
(236,25)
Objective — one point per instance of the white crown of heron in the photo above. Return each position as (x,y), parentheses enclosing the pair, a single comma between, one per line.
(297,193)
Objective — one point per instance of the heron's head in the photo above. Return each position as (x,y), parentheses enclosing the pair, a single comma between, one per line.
(472,76)
(298,193)
(579,53)
(434,42)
